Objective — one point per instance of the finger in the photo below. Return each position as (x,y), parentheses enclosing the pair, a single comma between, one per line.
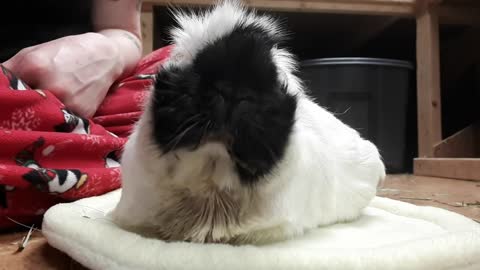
(12,63)
(8,64)
(34,69)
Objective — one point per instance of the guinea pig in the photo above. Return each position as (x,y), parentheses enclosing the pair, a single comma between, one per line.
(231,148)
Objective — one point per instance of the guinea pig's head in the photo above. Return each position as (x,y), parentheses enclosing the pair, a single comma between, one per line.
(230,89)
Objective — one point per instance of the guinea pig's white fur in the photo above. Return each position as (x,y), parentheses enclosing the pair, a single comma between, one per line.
(328,173)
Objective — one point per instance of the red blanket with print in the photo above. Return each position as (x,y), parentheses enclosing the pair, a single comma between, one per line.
(49,155)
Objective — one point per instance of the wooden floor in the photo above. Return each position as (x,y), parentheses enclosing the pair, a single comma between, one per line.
(459,196)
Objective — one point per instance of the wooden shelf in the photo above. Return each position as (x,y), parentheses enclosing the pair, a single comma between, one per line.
(451,12)
(373,7)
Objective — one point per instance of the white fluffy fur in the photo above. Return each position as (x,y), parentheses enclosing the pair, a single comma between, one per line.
(195,31)
(328,175)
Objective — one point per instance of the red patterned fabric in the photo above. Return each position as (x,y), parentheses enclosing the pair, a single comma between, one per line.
(49,155)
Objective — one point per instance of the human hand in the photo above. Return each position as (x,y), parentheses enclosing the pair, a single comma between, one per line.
(78,69)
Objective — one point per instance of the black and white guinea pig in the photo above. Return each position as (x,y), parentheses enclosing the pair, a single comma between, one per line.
(231,149)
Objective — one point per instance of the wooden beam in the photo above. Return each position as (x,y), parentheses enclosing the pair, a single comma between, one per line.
(147,31)
(454,168)
(428,83)
(451,13)
(371,7)
(421,6)
(463,144)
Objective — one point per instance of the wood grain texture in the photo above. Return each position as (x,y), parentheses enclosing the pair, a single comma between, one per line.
(428,83)
(147,31)
(36,255)
(462,197)
(372,7)
(463,144)
(454,168)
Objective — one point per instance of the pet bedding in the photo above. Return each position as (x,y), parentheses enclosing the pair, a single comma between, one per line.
(388,235)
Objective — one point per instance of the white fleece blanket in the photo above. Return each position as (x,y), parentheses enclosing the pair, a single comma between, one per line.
(389,235)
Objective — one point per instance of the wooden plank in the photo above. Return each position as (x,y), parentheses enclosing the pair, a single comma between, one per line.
(452,13)
(454,195)
(372,7)
(428,83)
(423,5)
(455,168)
(147,31)
(463,144)
(147,6)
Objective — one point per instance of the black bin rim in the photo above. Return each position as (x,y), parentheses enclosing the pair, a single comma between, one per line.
(336,61)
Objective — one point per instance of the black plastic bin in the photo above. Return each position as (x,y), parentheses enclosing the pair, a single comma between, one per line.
(369,94)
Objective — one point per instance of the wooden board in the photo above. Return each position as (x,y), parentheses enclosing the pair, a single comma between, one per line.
(372,7)
(36,255)
(428,83)
(455,168)
(451,13)
(458,196)
(463,144)
(147,31)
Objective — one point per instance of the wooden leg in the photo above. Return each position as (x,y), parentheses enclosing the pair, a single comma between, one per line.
(147,30)
(428,82)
